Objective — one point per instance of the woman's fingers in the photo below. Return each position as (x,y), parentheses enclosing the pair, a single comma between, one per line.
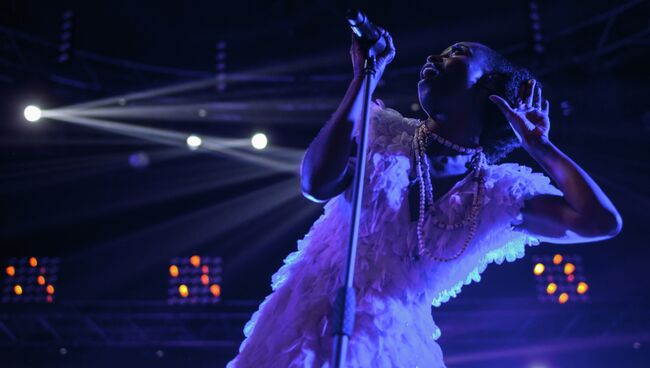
(503,106)
(390,46)
(521,95)
(530,88)
(515,121)
(537,97)
(546,107)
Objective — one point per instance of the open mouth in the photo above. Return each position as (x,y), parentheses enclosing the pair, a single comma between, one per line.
(429,71)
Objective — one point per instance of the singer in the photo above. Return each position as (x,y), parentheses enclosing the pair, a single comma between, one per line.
(438,207)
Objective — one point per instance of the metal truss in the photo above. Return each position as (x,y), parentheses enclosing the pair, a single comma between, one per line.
(480,323)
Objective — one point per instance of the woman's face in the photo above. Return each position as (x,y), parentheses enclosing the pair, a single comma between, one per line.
(450,74)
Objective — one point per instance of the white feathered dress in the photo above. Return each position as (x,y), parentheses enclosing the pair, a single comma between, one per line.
(393,321)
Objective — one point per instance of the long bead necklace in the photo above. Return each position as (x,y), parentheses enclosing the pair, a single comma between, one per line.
(420,142)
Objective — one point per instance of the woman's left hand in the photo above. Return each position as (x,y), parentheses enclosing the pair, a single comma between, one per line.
(529,119)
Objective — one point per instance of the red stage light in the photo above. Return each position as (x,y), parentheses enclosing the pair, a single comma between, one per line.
(205,279)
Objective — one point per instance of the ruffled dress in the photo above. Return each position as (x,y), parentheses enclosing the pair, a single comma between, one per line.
(393,322)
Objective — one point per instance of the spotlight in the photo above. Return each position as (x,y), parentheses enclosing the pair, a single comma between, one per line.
(32,113)
(259,141)
(194,141)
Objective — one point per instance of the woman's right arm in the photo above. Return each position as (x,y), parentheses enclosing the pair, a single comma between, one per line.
(324,168)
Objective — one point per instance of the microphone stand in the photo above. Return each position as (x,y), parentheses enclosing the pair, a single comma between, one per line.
(344,307)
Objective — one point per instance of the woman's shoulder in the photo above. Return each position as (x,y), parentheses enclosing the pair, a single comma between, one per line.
(390,129)
(391,117)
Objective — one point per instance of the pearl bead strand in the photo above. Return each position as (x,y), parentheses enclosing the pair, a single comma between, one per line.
(420,142)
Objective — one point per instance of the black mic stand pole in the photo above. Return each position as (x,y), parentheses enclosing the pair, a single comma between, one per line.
(345,304)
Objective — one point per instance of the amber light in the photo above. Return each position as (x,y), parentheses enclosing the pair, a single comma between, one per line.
(11,270)
(49,289)
(18,290)
(551,288)
(582,287)
(539,269)
(183,290)
(563,298)
(195,261)
(557,259)
(215,289)
(33,261)
(173,270)
(569,268)
(40,279)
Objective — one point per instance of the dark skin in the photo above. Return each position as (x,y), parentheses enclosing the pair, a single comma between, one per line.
(452,97)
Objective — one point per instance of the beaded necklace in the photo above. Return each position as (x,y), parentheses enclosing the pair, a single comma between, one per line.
(421,140)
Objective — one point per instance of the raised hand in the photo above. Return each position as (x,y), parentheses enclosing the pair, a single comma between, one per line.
(529,118)
(382,60)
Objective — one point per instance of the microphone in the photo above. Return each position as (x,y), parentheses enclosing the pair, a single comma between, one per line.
(367,33)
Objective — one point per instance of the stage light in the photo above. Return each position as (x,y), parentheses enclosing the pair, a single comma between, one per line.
(194,141)
(173,271)
(32,113)
(183,291)
(582,287)
(560,278)
(259,141)
(198,273)
(205,279)
(557,259)
(551,288)
(215,290)
(27,280)
(195,261)
(220,65)
(139,160)
(569,268)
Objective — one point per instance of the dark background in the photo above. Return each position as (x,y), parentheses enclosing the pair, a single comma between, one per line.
(68,191)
